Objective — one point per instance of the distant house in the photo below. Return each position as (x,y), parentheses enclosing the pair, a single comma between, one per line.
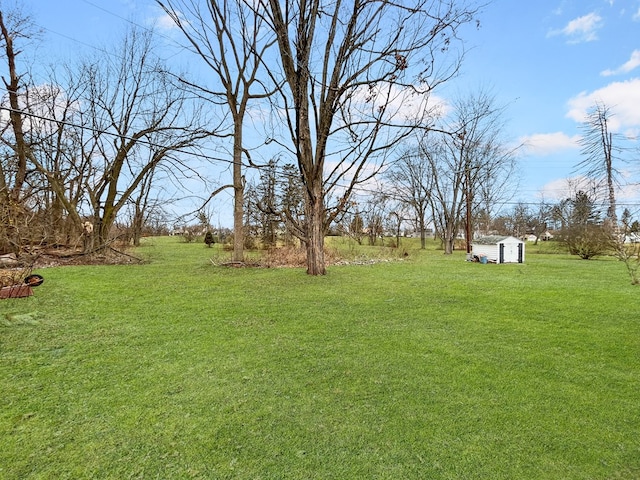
(632,238)
(498,249)
(544,237)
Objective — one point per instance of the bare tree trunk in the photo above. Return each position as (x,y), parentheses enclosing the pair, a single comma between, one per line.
(11,197)
(597,146)
(238,192)
(423,235)
(607,145)
(103,228)
(449,240)
(315,233)
(136,226)
(229,37)
(4,189)
(15,116)
(330,52)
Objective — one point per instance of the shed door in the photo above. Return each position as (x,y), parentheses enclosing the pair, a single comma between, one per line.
(520,247)
(501,258)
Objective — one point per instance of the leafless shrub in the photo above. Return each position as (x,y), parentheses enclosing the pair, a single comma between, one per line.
(284,257)
(629,254)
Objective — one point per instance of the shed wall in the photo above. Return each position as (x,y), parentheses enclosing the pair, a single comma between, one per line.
(513,252)
(511,248)
(489,251)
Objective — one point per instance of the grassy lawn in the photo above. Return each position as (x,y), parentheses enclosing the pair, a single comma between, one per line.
(425,368)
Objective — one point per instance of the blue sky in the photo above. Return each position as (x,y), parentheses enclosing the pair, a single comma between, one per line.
(547,60)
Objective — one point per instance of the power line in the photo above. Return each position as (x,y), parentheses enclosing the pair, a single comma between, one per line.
(135,24)
(94,130)
(181,151)
(357,188)
(152,31)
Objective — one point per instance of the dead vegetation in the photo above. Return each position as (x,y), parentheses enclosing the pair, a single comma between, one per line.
(44,257)
(295,257)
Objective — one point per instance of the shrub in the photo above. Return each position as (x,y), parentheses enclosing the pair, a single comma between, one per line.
(588,241)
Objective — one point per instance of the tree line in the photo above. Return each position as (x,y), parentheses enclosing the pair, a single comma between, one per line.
(89,144)
(336,77)
(341,95)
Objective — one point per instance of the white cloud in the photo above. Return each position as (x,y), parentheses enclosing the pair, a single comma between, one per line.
(628,191)
(165,22)
(400,103)
(562,188)
(622,98)
(581,29)
(41,98)
(636,16)
(549,143)
(555,190)
(631,64)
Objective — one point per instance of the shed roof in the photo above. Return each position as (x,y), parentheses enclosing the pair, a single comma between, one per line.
(494,239)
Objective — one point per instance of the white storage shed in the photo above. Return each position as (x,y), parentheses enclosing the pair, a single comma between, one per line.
(498,249)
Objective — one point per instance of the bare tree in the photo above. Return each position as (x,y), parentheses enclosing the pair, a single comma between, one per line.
(353,223)
(471,169)
(600,153)
(353,70)
(139,121)
(447,192)
(41,180)
(364,218)
(627,247)
(92,139)
(411,179)
(538,220)
(520,220)
(14,26)
(374,214)
(56,127)
(142,205)
(524,220)
(395,221)
(229,36)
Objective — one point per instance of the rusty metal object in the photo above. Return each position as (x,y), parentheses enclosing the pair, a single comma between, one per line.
(18,283)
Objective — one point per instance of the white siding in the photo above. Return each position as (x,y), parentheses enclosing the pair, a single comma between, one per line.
(489,251)
(512,250)
(510,254)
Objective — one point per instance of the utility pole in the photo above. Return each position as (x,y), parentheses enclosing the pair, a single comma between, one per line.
(467,174)
(467,191)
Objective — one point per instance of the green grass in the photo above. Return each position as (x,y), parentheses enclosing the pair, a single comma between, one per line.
(426,368)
